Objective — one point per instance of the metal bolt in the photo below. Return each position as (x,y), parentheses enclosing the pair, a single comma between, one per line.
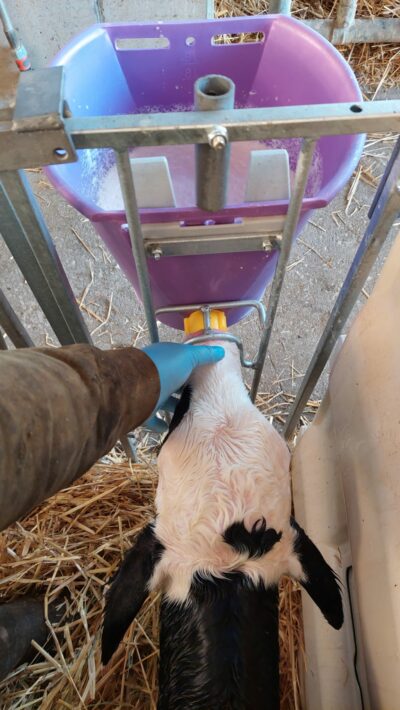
(267,246)
(157,254)
(218,142)
(218,138)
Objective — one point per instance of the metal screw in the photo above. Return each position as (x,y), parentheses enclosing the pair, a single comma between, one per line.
(218,142)
(157,254)
(218,138)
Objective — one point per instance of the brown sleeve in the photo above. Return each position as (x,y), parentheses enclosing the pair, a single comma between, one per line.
(61,410)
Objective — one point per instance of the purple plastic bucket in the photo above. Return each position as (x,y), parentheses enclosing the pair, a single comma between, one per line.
(291,65)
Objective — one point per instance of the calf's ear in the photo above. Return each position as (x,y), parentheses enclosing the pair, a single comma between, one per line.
(129,589)
(319,579)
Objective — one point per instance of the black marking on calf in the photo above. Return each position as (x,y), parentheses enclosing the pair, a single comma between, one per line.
(129,590)
(257,542)
(220,648)
(321,583)
(181,408)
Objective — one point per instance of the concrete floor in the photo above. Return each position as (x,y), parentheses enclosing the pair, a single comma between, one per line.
(318,264)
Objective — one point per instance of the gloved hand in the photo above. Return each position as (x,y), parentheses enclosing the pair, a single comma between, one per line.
(175,363)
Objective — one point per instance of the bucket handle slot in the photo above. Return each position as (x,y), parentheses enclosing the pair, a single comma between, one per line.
(228,38)
(128,44)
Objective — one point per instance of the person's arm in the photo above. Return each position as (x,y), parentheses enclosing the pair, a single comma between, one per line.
(60,411)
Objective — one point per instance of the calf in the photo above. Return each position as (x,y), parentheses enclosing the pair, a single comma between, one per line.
(222,538)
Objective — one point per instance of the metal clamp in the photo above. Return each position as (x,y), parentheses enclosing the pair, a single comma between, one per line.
(37,135)
(208,334)
(252,234)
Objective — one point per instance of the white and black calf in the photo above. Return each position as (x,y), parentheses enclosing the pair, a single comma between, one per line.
(222,538)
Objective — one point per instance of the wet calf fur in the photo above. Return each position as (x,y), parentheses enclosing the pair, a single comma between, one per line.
(222,538)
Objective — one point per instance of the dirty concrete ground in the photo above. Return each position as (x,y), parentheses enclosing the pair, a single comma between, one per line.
(317,266)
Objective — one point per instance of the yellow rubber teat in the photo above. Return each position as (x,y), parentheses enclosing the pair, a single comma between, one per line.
(195,322)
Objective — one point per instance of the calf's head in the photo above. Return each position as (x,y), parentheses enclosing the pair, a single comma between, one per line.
(224,480)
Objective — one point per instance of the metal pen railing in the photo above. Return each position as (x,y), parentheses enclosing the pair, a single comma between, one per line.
(385,211)
(11,324)
(136,236)
(290,224)
(345,27)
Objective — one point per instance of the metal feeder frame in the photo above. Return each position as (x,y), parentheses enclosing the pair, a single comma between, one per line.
(40,131)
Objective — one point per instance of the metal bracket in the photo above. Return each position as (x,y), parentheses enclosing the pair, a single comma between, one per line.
(173,239)
(36,135)
(209,334)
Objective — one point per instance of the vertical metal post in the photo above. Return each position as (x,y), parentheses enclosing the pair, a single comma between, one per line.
(139,255)
(11,324)
(129,445)
(280,7)
(384,214)
(344,20)
(292,218)
(136,237)
(213,92)
(27,237)
(346,13)
(21,57)
(3,344)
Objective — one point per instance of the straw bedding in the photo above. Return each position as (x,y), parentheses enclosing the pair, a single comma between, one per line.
(72,544)
(375,65)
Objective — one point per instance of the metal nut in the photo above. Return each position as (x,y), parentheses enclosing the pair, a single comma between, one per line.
(157,254)
(218,138)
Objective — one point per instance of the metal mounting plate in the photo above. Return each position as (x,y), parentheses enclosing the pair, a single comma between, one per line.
(36,134)
(173,239)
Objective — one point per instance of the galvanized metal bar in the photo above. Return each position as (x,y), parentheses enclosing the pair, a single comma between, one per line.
(362,30)
(28,239)
(125,131)
(222,305)
(385,212)
(11,324)
(129,445)
(207,318)
(223,337)
(136,237)
(7,24)
(279,7)
(3,344)
(253,234)
(385,177)
(179,246)
(211,93)
(18,49)
(346,13)
(292,218)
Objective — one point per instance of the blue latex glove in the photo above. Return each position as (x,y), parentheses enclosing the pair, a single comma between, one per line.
(175,363)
